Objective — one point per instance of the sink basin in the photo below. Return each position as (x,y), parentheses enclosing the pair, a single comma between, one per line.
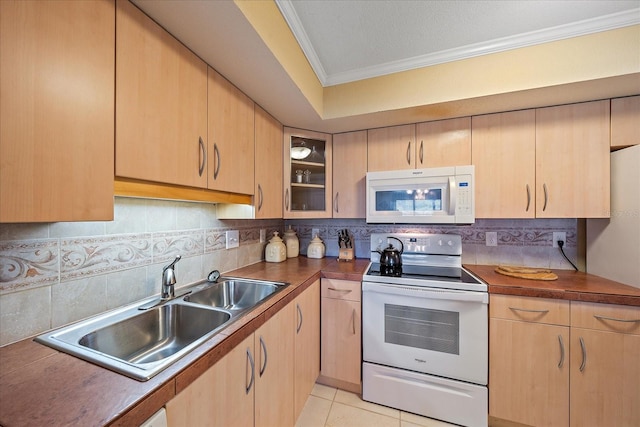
(142,339)
(234,294)
(155,334)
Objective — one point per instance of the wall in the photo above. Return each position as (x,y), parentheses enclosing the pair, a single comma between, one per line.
(520,242)
(56,273)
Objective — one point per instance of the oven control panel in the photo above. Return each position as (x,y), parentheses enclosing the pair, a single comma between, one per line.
(434,244)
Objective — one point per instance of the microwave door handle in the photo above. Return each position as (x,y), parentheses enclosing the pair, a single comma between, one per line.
(452,195)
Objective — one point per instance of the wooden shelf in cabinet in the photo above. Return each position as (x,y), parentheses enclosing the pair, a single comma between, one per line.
(308,164)
(295,184)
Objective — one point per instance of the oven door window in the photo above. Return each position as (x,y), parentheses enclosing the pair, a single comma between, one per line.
(424,328)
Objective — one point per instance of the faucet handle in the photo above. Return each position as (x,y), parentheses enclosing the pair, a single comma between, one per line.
(172,265)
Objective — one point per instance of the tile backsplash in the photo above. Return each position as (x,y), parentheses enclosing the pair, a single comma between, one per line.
(54,274)
(57,273)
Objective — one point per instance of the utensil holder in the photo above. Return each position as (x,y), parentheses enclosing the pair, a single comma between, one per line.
(345,254)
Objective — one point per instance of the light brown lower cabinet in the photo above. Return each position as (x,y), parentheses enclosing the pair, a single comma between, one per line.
(250,386)
(561,363)
(307,345)
(341,354)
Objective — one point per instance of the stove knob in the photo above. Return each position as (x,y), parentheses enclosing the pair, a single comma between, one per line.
(450,243)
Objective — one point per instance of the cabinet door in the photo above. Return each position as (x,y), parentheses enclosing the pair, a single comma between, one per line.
(444,143)
(349,174)
(605,378)
(231,137)
(222,396)
(504,153)
(529,372)
(625,121)
(307,174)
(307,344)
(391,148)
(161,103)
(572,161)
(56,126)
(268,186)
(341,337)
(274,370)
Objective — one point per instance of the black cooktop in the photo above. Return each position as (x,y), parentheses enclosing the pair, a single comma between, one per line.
(421,272)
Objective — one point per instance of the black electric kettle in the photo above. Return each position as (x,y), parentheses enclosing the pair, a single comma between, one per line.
(390,257)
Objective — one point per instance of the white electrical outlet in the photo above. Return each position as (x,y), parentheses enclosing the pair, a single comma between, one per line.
(315,232)
(263,235)
(559,235)
(492,238)
(233,239)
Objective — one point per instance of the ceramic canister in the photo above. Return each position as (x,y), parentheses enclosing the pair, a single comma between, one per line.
(316,248)
(275,251)
(292,243)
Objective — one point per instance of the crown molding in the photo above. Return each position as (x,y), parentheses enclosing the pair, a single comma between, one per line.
(575,29)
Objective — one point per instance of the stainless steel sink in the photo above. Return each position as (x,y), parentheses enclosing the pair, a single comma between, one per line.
(139,341)
(155,334)
(234,294)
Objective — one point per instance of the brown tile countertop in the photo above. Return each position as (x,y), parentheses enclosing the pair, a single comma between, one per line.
(571,285)
(41,386)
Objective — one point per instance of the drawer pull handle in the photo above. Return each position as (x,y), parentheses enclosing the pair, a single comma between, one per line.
(216,154)
(409,153)
(260,197)
(421,152)
(616,320)
(353,320)
(528,311)
(584,355)
(544,207)
(250,360)
(340,290)
(203,156)
(528,198)
(561,351)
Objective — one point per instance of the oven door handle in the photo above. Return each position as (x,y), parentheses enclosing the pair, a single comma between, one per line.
(427,293)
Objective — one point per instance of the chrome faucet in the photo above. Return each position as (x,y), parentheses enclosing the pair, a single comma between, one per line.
(169,279)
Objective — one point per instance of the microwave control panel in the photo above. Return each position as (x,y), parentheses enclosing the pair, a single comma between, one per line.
(464,193)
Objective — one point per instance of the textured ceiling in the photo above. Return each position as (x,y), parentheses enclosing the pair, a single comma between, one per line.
(348,40)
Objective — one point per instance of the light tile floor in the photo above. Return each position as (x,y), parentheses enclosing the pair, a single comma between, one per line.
(329,407)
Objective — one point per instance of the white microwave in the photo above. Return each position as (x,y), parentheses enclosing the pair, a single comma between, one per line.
(422,196)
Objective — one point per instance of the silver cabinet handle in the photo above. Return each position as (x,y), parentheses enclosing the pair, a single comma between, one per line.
(299,317)
(264,351)
(353,320)
(421,152)
(561,351)
(544,187)
(216,154)
(260,197)
(203,156)
(528,311)
(335,202)
(250,360)
(616,320)
(409,153)
(584,355)
(528,198)
(346,291)
(286,199)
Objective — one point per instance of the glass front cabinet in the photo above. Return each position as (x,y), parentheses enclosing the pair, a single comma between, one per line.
(307,172)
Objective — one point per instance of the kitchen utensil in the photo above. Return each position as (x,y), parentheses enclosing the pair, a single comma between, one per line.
(391,257)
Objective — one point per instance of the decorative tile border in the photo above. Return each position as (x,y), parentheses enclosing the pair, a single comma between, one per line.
(93,256)
(28,264)
(167,246)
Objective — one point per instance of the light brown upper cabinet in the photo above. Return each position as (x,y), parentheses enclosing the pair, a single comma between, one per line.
(56,126)
(572,161)
(308,180)
(444,143)
(161,104)
(392,148)
(625,121)
(231,137)
(504,153)
(349,174)
(268,169)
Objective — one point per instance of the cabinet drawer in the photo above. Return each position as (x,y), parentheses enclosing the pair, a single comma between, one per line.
(341,289)
(538,310)
(606,317)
